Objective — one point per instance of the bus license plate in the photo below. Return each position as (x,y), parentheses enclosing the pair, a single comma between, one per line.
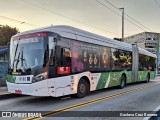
(24,79)
(18,91)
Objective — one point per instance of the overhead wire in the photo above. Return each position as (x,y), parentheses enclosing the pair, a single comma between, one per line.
(120,15)
(127,15)
(157,3)
(75,20)
(17,21)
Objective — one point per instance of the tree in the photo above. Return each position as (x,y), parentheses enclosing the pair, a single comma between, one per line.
(6,32)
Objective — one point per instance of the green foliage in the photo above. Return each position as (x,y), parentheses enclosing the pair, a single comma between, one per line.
(6,32)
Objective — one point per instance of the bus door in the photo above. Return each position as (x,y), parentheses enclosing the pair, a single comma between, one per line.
(62,80)
(60,58)
(63,60)
(135,62)
(52,42)
(59,69)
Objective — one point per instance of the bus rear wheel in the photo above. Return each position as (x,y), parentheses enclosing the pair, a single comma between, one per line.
(83,88)
(123,82)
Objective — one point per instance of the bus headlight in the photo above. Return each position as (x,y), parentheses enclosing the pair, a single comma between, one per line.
(39,77)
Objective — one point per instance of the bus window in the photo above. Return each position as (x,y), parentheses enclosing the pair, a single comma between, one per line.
(105,59)
(114,59)
(121,59)
(63,56)
(125,59)
(64,62)
(66,56)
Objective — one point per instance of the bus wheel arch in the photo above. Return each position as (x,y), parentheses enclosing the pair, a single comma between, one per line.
(123,81)
(83,87)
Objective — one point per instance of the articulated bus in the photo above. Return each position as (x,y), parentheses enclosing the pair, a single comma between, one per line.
(63,60)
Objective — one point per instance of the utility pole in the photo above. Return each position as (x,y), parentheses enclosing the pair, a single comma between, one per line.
(122,23)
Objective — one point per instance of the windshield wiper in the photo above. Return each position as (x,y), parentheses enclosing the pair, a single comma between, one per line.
(17,60)
(26,69)
(15,55)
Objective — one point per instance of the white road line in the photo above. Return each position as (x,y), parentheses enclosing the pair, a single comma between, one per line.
(155,110)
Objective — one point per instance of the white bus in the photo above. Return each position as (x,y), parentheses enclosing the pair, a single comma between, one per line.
(63,60)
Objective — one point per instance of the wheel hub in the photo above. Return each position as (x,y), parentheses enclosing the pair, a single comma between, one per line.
(82,88)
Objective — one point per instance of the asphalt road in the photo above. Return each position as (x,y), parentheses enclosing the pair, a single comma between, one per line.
(134,97)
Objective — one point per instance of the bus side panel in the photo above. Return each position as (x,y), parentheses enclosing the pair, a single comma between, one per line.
(129,76)
(110,79)
(152,74)
(103,81)
(142,75)
(59,86)
(115,79)
(66,85)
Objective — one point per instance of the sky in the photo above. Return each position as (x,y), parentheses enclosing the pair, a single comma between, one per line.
(96,16)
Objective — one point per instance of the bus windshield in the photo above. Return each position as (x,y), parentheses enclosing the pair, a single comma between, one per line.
(27,53)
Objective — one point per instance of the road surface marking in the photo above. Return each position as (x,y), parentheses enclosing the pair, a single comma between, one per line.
(155,110)
(90,102)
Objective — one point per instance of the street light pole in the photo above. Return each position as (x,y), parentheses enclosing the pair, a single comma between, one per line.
(122,23)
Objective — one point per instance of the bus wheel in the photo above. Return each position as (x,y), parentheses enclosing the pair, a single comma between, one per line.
(123,82)
(148,78)
(83,88)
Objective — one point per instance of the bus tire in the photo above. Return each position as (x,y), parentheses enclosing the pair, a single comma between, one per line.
(148,78)
(123,82)
(83,88)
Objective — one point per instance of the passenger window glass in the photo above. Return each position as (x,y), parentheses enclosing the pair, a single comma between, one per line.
(121,59)
(105,58)
(125,58)
(114,59)
(146,62)
(66,56)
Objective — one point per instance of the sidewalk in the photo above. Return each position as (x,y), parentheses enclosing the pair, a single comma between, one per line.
(3,89)
(157,77)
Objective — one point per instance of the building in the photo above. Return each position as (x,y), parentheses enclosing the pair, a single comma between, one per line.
(4,60)
(149,41)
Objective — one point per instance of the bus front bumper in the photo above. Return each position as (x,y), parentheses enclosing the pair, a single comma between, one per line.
(34,89)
